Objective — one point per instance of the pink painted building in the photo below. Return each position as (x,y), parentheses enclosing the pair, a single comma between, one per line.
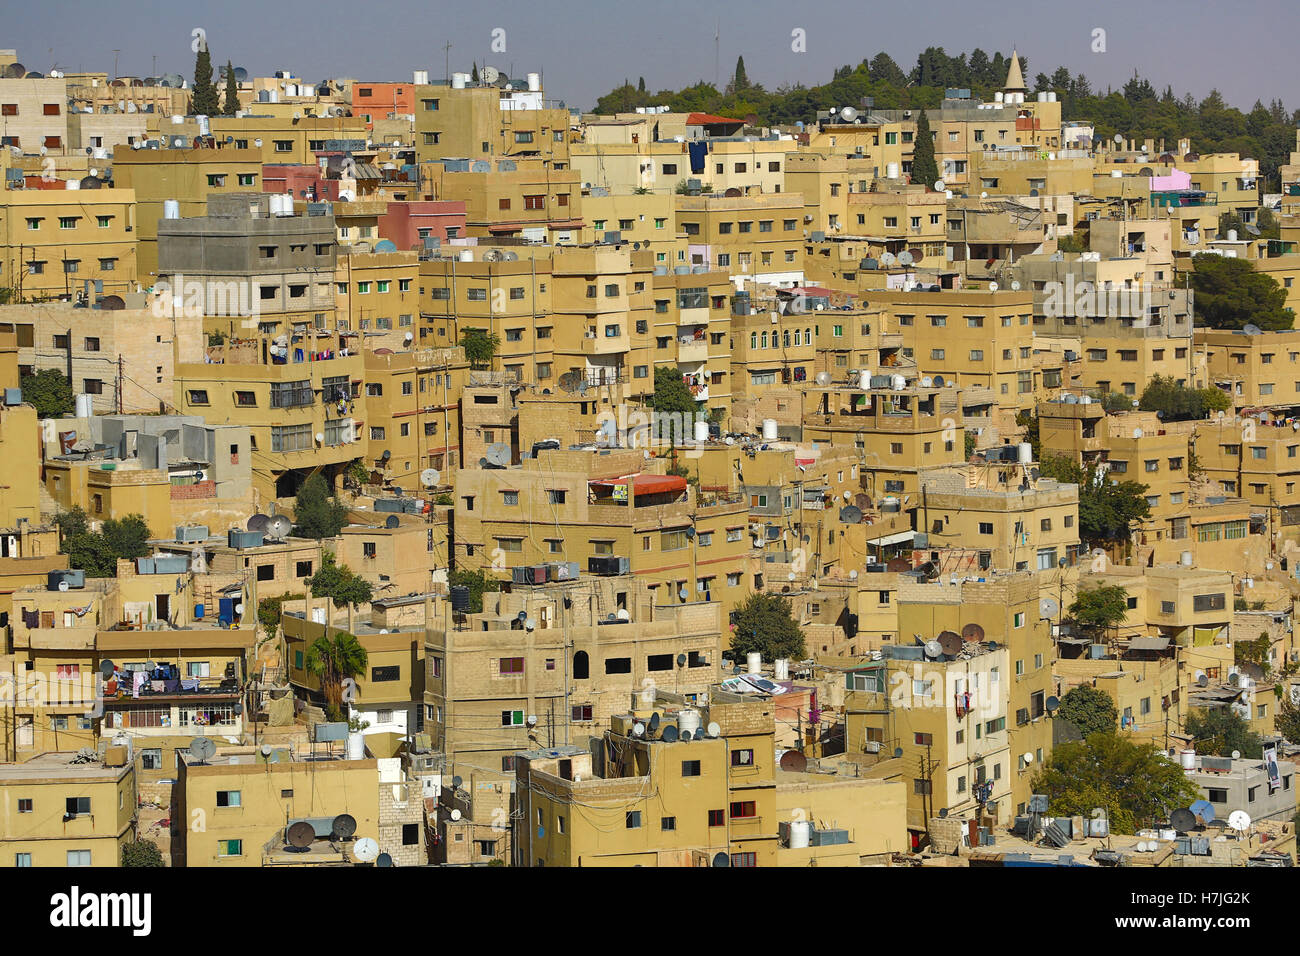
(407,223)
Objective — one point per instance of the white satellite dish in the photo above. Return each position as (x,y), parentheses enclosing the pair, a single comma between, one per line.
(489,74)
(638,730)
(714,728)
(1239,820)
(993,287)
(940,185)
(430,477)
(1029,756)
(455,815)
(366,850)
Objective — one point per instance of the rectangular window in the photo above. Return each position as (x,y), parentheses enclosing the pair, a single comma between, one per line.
(228,798)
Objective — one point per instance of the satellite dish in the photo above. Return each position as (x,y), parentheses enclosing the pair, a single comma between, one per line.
(904,258)
(455,815)
(279,528)
(498,454)
(714,728)
(1015,285)
(669,734)
(638,729)
(972,633)
(1239,820)
(259,522)
(366,850)
(933,650)
(1203,810)
(721,861)
(940,185)
(345,826)
(1234,679)
(202,749)
(950,642)
(63,585)
(793,761)
(898,752)
(1251,329)
(106,668)
(1182,820)
(1236,755)
(300,835)
(1028,757)
(851,514)
(1048,607)
(1202,680)
(993,287)
(266,750)
(392,521)
(430,477)
(383,860)
(1052,703)
(489,74)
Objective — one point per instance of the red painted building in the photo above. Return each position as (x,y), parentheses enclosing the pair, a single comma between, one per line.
(299,178)
(407,223)
(381,100)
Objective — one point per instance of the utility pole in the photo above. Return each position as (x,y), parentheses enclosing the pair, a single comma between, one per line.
(447,57)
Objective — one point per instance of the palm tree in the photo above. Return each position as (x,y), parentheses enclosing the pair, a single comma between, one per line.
(332,661)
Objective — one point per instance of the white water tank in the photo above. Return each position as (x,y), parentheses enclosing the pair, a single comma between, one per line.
(800,834)
(701,431)
(534,82)
(1026,453)
(458,81)
(998,97)
(1232,235)
(897,382)
(688,721)
(864,378)
(72,184)
(1188,759)
(84,405)
(1186,559)
(171,209)
(318,615)
(356,746)
(467,255)
(781,666)
(1042,97)
(754,662)
(420,77)
(769,429)
(891,170)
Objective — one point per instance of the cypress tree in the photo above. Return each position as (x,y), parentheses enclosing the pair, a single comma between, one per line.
(203,96)
(740,82)
(231,106)
(924,170)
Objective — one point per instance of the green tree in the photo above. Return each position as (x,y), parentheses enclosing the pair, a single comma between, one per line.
(268,612)
(317,514)
(1107,509)
(477,581)
(1230,294)
(473,73)
(97,552)
(1177,403)
(49,391)
(141,853)
(924,170)
(333,660)
(765,623)
(1134,782)
(231,105)
(1089,709)
(480,346)
(343,586)
(1256,653)
(671,394)
(203,94)
(740,81)
(1071,243)
(1219,730)
(1287,720)
(1097,610)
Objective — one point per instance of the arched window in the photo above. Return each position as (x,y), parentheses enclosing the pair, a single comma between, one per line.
(753,340)
(581,666)
(765,339)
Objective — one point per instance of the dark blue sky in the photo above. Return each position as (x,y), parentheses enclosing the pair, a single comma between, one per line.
(584,48)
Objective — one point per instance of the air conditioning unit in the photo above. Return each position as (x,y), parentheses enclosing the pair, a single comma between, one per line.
(607,564)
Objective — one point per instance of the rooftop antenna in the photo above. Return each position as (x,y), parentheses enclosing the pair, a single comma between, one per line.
(202,749)
(366,850)
(300,835)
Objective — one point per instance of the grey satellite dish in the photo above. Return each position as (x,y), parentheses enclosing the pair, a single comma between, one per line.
(714,728)
(366,850)
(300,835)
(392,521)
(1251,329)
(345,826)
(681,660)
(106,668)
(669,735)
(938,381)
(823,378)
(1048,607)
(1053,703)
(904,258)
(721,861)
(1234,679)
(700,733)
(456,782)
(202,749)
(383,860)
(654,722)
(279,528)
(266,750)
(430,477)
(898,752)
(259,522)
(1182,820)
(1202,681)
(851,514)
(489,74)
(933,650)
(1236,755)
(887,259)
(498,454)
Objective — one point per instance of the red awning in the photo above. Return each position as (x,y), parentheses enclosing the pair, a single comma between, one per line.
(708,119)
(645,484)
